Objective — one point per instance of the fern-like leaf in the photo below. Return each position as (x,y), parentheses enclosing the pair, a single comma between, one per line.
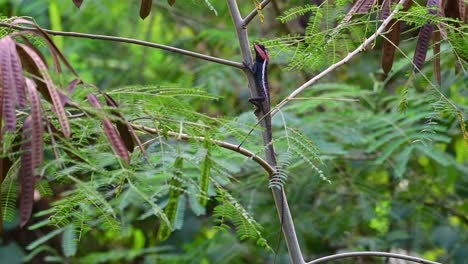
(69,241)
(295,12)
(230,209)
(171,208)
(280,175)
(205,173)
(8,197)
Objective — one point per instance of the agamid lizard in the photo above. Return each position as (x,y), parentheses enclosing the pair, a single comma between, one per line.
(262,111)
(262,102)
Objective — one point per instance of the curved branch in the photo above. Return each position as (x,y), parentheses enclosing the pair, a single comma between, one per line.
(345,60)
(132,41)
(220,143)
(371,253)
(252,14)
(234,147)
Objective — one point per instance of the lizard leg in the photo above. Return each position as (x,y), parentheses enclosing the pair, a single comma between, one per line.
(257,102)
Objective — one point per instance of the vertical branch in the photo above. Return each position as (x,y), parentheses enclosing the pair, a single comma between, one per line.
(279,196)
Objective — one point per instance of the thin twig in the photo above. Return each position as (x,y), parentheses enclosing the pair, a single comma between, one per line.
(345,60)
(254,12)
(132,41)
(371,253)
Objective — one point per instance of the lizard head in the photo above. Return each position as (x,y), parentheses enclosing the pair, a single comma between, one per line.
(261,52)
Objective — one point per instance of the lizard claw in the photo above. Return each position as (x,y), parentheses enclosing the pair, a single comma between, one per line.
(257,102)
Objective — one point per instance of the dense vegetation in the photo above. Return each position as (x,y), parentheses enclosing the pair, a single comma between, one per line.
(373,156)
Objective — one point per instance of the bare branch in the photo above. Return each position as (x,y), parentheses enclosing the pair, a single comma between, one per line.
(345,60)
(252,14)
(132,41)
(371,253)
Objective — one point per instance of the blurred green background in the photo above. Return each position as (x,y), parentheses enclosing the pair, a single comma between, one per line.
(389,180)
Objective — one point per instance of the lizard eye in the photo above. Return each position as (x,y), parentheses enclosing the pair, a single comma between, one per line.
(261,50)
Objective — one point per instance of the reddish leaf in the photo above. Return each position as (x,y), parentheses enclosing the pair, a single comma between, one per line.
(18,77)
(111,133)
(26,174)
(422,46)
(111,102)
(37,144)
(3,172)
(32,154)
(424,37)
(385,9)
(70,89)
(463,11)
(407,5)
(8,84)
(53,92)
(452,9)
(389,45)
(31,67)
(145,8)
(433,6)
(171,2)
(78,3)
(441,13)
(122,126)
(361,6)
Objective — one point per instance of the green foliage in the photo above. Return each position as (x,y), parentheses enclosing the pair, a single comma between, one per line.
(173,200)
(416,16)
(9,196)
(369,138)
(230,210)
(69,241)
(205,173)
(280,176)
(459,40)
(297,11)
